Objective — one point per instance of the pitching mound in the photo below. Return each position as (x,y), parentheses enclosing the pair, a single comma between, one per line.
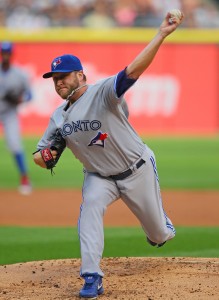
(125,278)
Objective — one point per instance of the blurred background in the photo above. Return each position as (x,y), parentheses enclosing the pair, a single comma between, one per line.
(174,106)
(177,95)
(104,13)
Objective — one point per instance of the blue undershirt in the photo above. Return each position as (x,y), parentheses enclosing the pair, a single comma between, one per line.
(123,83)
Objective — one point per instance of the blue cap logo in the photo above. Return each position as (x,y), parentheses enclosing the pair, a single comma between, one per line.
(65,64)
(56,62)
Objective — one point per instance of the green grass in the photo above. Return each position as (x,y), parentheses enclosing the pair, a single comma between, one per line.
(22,244)
(187,163)
(183,163)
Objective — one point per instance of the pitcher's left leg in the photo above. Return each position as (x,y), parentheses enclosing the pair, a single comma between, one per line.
(141,193)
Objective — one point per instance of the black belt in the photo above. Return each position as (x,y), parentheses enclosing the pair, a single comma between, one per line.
(128,172)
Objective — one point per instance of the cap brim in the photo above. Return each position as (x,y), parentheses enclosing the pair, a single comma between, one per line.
(49,74)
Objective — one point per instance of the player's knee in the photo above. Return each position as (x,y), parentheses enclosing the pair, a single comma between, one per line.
(160,236)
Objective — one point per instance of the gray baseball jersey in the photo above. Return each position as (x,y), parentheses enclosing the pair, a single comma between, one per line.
(97,131)
(12,80)
(94,126)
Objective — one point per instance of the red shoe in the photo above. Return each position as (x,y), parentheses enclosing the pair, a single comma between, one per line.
(25,187)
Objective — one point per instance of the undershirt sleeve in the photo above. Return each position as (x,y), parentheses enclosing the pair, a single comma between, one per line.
(123,83)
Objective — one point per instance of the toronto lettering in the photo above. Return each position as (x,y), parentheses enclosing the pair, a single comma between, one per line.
(81,125)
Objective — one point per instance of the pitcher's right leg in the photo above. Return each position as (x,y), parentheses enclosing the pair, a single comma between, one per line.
(98,193)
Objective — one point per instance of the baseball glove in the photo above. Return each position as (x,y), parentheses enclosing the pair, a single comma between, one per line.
(14,97)
(58,144)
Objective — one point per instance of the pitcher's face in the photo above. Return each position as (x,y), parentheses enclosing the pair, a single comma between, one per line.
(65,83)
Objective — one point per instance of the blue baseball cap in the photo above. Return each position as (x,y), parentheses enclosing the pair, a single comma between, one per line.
(6,47)
(65,64)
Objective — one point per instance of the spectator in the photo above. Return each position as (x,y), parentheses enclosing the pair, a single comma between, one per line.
(105,13)
(200,14)
(124,12)
(99,17)
(23,17)
(147,14)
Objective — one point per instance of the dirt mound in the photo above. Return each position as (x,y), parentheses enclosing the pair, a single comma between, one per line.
(125,278)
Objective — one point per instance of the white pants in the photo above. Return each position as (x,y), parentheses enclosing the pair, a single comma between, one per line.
(11,126)
(140,192)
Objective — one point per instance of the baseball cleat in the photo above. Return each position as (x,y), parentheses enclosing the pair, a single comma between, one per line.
(155,244)
(25,187)
(93,286)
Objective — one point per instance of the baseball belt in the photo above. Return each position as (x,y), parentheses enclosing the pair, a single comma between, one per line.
(128,172)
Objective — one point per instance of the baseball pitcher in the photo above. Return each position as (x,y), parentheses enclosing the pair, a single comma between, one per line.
(92,122)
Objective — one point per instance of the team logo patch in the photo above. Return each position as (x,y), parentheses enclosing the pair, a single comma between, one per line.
(56,62)
(99,139)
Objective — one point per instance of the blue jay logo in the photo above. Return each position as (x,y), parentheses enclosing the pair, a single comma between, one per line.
(56,62)
(99,139)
